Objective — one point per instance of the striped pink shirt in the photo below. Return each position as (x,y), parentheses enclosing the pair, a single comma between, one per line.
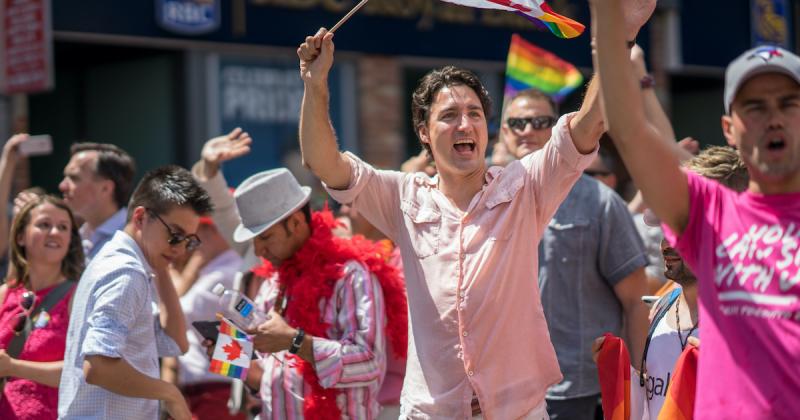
(353,359)
(477,325)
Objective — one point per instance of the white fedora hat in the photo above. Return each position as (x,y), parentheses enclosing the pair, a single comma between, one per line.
(265,199)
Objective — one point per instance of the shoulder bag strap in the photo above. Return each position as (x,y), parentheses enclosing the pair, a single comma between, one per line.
(18,342)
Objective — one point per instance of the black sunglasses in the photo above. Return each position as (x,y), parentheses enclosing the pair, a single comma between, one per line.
(175,238)
(538,123)
(26,303)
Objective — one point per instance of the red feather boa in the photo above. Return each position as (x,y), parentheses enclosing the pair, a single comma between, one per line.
(311,275)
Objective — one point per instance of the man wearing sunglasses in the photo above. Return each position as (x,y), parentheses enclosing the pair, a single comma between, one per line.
(591,272)
(126,313)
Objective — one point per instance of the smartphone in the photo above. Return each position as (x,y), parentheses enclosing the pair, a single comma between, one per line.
(208,329)
(37,146)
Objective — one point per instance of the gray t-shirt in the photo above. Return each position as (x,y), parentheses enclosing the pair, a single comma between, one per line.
(590,245)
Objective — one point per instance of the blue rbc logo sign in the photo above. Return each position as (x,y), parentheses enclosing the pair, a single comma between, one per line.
(188,17)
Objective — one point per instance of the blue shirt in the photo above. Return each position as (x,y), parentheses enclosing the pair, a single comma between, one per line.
(92,243)
(114,314)
(590,245)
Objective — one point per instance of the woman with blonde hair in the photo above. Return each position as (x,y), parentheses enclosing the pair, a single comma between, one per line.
(47,256)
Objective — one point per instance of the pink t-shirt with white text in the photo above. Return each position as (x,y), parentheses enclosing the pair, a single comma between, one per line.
(745,251)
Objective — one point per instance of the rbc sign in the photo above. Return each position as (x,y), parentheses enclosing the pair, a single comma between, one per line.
(188,17)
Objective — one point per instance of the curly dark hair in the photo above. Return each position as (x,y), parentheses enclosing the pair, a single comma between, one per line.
(73,264)
(432,83)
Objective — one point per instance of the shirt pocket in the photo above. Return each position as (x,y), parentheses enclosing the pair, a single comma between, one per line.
(423,225)
(568,239)
(500,205)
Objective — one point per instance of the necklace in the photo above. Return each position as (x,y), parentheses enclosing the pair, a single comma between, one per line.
(678,321)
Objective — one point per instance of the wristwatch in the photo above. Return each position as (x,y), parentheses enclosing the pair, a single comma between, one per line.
(297,341)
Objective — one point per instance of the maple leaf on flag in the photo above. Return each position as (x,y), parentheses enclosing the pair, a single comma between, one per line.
(233,350)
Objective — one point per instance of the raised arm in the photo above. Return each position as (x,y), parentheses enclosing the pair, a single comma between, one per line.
(8,162)
(207,171)
(651,161)
(317,138)
(587,125)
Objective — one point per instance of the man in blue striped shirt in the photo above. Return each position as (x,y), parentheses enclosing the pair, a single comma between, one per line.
(126,313)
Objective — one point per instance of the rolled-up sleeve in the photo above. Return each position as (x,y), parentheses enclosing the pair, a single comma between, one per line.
(375,194)
(359,357)
(117,302)
(555,168)
(165,345)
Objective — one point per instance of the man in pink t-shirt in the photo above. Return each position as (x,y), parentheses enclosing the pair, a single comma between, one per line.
(743,247)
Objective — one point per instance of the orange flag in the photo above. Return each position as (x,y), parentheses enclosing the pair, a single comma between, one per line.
(679,403)
(614,369)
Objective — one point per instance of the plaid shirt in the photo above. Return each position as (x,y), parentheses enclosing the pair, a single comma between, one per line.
(353,359)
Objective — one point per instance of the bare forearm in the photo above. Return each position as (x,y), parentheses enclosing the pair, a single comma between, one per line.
(587,126)
(45,373)
(254,374)
(651,162)
(318,140)
(171,314)
(119,377)
(169,370)
(6,176)
(636,327)
(185,279)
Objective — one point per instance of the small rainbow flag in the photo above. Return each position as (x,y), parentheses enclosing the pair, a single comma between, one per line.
(536,11)
(233,352)
(529,66)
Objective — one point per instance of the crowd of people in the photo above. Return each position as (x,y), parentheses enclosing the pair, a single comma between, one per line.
(459,287)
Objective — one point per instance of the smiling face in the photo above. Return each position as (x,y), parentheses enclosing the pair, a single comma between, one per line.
(524,141)
(675,268)
(46,238)
(456,131)
(765,126)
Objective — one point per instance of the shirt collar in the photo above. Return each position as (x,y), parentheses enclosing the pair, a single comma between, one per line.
(114,223)
(121,237)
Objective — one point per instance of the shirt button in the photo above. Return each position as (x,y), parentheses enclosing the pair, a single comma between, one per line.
(563,260)
(462,256)
(470,373)
(464,334)
(462,293)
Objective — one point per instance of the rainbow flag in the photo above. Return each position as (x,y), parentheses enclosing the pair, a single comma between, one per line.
(529,66)
(233,352)
(679,403)
(536,11)
(614,370)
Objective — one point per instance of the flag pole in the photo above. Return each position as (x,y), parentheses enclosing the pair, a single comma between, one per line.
(348,15)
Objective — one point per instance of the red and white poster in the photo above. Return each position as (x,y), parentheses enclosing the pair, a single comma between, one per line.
(26,47)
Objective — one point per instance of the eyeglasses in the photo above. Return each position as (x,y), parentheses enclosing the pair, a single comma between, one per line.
(175,238)
(538,123)
(26,303)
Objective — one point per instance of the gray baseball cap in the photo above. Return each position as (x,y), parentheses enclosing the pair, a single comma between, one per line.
(759,60)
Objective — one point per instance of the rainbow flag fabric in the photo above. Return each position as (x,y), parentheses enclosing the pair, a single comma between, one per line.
(679,403)
(536,11)
(233,352)
(614,370)
(529,66)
